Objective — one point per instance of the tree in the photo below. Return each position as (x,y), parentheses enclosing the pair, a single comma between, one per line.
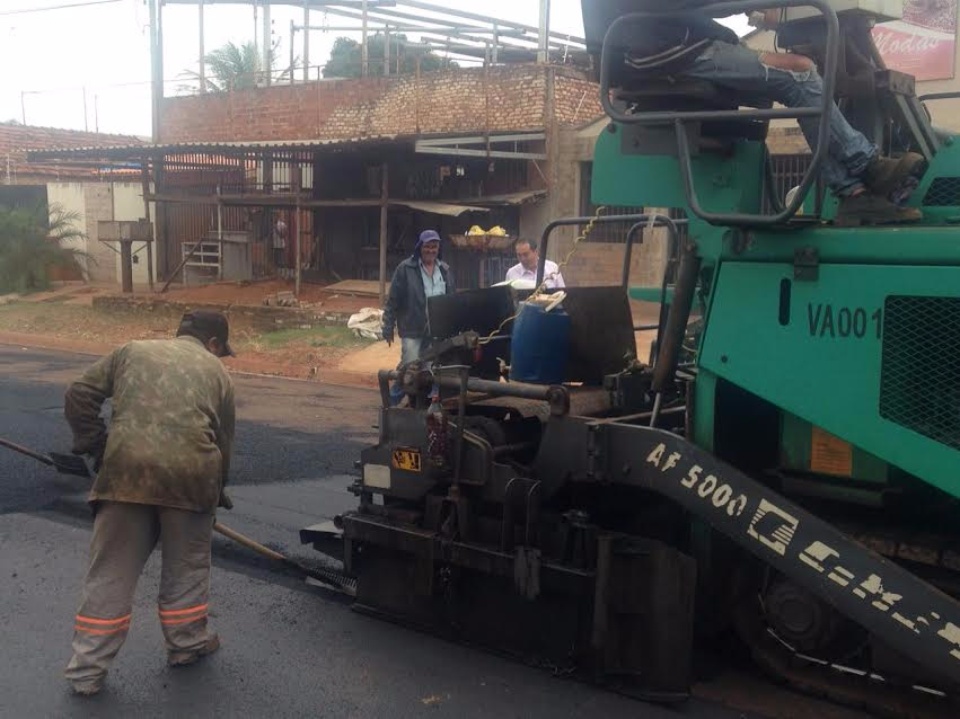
(236,67)
(346,57)
(34,241)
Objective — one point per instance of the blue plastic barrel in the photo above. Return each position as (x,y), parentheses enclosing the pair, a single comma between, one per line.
(539,345)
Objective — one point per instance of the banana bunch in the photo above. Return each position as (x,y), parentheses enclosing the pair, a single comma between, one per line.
(476,230)
(497,231)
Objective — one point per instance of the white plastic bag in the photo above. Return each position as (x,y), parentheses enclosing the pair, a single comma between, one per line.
(368,322)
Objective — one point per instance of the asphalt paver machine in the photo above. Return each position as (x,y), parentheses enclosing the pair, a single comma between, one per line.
(784,469)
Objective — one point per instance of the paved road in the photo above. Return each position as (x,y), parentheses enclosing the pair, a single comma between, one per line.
(290,649)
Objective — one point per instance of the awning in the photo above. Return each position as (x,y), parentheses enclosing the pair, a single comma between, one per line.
(512,198)
(215,148)
(439,208)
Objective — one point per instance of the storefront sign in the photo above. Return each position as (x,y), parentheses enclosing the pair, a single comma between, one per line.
(923,43)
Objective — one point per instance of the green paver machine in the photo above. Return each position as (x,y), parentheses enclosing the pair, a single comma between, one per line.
(785,469)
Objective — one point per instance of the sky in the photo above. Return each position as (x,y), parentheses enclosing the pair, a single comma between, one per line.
(89,67)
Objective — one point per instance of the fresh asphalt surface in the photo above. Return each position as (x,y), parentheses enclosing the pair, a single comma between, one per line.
(289,649)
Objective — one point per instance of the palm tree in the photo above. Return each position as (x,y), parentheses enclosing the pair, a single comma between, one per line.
(235,67)
(34,241)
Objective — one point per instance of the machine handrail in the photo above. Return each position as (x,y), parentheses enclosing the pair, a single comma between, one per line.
(641,221)
(679,118)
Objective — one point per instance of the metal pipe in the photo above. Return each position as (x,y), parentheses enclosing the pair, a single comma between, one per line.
(521,390)
(677,318)
(306,41)
(678,119)
(642,220)
(203,53)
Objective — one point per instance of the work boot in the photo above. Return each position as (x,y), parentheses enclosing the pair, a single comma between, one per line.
(869,209)
(86,687)
(184,659)
(884,175)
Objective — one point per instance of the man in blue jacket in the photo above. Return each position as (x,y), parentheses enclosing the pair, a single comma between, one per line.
(694,46)
(418,277)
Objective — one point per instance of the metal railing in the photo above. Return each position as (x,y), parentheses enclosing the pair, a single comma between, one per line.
(679,118)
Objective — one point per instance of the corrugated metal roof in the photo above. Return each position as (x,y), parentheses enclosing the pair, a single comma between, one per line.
(231,147)
(511,198)
(438,208)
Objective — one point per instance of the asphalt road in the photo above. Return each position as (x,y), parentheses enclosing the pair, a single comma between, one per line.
(289,649)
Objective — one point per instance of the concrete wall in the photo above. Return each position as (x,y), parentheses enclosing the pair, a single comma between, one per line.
(94,202)
(593,263)
(128,206)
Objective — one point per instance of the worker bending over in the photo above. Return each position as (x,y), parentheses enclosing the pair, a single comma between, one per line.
(161,469)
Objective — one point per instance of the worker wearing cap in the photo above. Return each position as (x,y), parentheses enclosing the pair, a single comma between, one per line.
(418,277)
(161,469)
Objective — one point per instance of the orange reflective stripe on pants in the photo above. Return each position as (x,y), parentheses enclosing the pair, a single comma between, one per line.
(170,617)
(90,625)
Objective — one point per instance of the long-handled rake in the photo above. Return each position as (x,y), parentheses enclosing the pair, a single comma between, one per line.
(71,464)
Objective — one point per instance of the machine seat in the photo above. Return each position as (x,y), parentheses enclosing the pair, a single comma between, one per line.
(668,95)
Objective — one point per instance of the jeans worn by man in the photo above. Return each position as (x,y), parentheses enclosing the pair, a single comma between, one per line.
(696,47)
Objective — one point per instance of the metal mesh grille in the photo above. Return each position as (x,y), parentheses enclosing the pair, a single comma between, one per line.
(919,380)
(943,192)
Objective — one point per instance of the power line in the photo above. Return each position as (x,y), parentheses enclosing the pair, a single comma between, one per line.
(87,3)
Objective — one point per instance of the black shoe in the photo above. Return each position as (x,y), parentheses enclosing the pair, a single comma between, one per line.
(884,175)
(870,209)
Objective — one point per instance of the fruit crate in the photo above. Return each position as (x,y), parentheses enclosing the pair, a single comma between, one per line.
(482,243)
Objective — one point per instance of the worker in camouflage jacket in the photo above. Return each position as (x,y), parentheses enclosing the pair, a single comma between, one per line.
(161,468)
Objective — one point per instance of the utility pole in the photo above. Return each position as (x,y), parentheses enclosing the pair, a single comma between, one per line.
(203,54)
(306,41)
(156,66)
(364,50)
(543,54)
(267,43)
(23,107)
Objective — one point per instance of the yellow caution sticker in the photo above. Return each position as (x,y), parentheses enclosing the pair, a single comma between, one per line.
(830,454)
(407,459)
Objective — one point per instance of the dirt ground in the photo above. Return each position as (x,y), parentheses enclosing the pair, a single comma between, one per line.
(254,293)
(65,319)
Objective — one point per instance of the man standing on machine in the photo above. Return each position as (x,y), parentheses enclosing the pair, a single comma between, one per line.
(160,469)
(696,47)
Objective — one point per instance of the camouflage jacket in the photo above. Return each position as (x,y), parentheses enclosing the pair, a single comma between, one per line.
(171,428)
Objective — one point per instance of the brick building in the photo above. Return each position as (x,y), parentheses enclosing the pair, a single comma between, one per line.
(357,167)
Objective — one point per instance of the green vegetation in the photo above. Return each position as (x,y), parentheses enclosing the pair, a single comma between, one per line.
(33,243)
(236,67)
(346,57)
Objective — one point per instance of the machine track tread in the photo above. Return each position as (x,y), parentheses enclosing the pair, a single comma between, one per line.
(852,689)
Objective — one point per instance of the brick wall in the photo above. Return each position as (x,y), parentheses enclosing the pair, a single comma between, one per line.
(577,100)
(472,100)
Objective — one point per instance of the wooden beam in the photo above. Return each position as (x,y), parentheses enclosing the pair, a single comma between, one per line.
(384,205)
(262,201)
(145,182)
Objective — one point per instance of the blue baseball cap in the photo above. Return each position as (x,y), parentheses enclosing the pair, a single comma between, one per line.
(428,236)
